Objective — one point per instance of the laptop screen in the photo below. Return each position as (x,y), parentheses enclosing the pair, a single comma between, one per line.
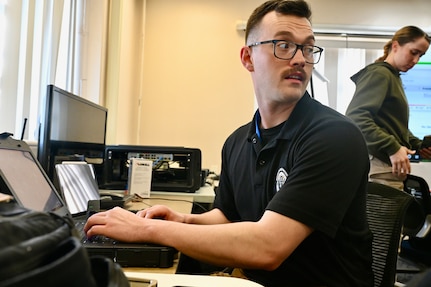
(22,176)
(77,185)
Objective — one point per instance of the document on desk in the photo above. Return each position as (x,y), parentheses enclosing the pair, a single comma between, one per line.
(140,173)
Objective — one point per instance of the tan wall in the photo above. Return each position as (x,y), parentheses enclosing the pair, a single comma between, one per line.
(195,91)
(124,70)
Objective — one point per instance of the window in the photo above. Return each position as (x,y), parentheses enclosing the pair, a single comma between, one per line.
(37,47)
(343,57)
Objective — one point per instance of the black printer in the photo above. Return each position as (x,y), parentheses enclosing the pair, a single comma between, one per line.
(177,169)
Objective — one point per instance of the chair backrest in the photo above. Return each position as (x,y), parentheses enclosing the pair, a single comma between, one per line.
(418,187)
(417,247)
(387,208)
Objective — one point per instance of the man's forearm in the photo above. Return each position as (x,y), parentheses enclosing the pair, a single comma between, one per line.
(214,216)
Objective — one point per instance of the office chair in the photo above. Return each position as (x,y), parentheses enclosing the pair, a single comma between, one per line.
(417,247)
(391,213)
(418,187)
(422,279)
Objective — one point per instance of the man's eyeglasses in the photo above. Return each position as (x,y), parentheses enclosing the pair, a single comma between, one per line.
(286,50)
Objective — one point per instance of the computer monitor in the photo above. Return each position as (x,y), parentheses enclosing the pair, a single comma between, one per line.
(417,86)
(72,128)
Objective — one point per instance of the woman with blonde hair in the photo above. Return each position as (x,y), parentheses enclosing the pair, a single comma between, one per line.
(380,108)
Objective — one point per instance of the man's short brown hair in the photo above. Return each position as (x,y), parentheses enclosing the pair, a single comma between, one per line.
(298,8)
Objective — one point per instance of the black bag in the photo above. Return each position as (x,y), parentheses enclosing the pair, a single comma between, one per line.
(40,249)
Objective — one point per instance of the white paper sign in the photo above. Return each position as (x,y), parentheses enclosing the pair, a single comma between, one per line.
(140,173)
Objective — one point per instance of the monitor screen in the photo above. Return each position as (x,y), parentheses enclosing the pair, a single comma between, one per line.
(74,119)
(417,86)
(35,192)
(70,126)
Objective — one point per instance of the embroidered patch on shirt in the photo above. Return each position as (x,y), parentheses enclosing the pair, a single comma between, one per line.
(281,178)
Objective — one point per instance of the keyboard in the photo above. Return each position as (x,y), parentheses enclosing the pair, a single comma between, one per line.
(79,225)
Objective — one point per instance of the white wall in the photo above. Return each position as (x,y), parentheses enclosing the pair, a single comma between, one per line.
(372,13)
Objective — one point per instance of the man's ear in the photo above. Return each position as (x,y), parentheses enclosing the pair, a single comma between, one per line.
(246,59)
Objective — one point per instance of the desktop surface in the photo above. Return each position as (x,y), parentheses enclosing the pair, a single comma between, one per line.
(205,194)
(180,204)
(182,280)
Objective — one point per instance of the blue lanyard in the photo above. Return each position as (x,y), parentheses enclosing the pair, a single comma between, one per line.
(257,122)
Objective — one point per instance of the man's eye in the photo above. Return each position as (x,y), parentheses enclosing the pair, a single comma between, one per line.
(309,49)
(283,45)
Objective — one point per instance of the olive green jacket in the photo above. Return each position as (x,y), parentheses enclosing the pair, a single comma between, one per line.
(379,107)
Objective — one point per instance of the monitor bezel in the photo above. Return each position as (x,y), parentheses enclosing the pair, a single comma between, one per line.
(46,147)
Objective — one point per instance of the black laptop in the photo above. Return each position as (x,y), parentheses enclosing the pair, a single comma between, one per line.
(22,176)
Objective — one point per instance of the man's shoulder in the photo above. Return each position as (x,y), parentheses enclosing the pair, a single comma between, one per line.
(322,113)
(326,121)
(244,129)
(240,133)
(332,120)
(319,118)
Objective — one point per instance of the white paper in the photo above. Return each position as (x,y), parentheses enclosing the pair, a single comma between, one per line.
(140,173)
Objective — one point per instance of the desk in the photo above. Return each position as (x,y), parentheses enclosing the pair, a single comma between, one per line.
(422,169)
(205,194)
(181,280)
(180,203)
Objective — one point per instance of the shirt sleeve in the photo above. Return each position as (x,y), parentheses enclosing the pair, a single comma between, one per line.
(329,172)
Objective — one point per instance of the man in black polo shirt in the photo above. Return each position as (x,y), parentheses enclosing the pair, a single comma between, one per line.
(290,209)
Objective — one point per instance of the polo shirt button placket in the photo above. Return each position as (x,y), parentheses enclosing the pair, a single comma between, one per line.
(262,162)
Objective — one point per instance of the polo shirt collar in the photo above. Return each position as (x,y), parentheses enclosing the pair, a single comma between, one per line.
(291,125)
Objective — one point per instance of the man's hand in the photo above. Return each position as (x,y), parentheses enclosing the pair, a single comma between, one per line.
(116,223)
(161,212)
